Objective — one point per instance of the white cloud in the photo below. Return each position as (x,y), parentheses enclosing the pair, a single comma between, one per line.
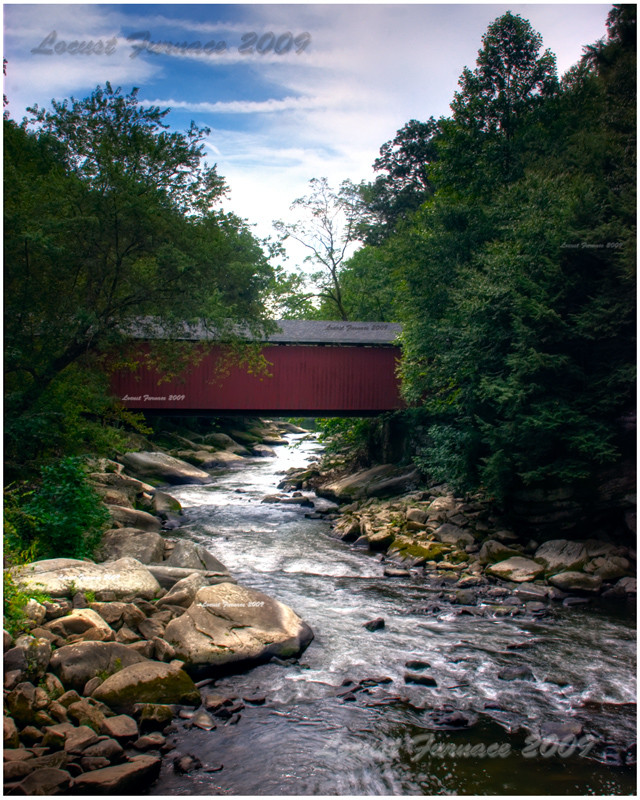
(242,106)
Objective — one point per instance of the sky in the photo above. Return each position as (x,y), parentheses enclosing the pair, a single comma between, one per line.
(290,92)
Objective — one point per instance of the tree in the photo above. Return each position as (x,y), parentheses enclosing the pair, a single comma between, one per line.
(406,185)
(111,221)
(511,79)
(327,229)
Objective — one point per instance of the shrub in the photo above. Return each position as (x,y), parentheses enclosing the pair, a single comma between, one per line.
(69,515)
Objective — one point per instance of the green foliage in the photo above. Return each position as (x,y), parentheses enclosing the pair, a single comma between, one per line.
(111,224)
(515,281)
(66,516)
(14,597)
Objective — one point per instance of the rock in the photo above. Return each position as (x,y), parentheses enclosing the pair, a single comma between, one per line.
(137,773)
(372,482)
(610,567)
(493,551)
(207,459)
(374,624)
(80,620)
(133,518)
(46,781)
(441,508)
(379,540)
(58,577)
(561,555)
(263,450)
(121,726)
(107,748)
(153,716)
(350,531)
(30,657)
(77,739)
(150,628)
(145,547)
(164,468)
(147,682)
(83,713)
(452,534)
(227,624)
(516,674)
(126,636)
(35,611)
(150,741)
(517,569)
(183,592)
(168,576)
(184,764)
(21,702)
(77,663)
(576,582)
(9,733)
(531,591)
(417,664)
(89,764)
(396,572)
(223,442)
(421,680)
(188,555)
(628,585)
(418,515)
(58,608)
(165,505)
(111,613)
(202,719)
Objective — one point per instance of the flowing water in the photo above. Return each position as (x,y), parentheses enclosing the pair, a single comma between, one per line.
(390,740)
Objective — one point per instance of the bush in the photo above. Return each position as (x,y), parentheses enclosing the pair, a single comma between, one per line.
(69,516)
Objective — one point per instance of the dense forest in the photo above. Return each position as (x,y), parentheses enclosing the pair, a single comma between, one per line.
(502,237)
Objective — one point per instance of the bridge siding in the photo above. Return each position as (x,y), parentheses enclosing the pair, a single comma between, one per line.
(304,379)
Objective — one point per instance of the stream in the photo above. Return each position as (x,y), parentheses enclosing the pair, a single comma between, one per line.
(396,738)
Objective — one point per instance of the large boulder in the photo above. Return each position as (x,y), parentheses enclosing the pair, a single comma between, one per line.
(63,577)
(374,482)
(223,442)
(516,569)
(77,663)
(162,467)
(133,518)
(230,624)
(576,582)
(206,459)
(183,593)
(148,682)
(144,546)
(560,555)
(452,534)
(189,555)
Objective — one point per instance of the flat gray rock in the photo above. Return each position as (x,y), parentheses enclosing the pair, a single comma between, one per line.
(517,569)
(62,577)
(165,468)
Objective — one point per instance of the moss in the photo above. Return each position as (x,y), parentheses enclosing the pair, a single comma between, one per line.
(459,557)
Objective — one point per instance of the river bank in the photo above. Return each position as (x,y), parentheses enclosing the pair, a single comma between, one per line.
(107,658)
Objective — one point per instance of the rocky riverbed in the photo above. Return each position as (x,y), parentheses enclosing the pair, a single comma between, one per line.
(123,672)
(103,667)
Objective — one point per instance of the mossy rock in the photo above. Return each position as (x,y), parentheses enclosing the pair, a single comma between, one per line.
(459,557)
(150,682)
(429,551)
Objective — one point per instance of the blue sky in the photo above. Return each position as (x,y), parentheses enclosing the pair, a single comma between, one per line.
(277,119)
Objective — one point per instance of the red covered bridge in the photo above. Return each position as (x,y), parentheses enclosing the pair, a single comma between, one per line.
(316,368)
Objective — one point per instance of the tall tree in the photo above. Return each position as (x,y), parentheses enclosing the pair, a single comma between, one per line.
(111,221)
(327,228)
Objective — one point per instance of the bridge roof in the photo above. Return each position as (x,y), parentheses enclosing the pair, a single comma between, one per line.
(296,331)
(290,331)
